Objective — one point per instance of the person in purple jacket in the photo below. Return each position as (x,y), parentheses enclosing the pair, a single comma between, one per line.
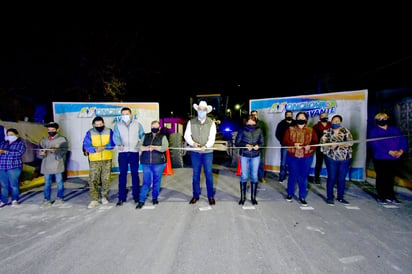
(388,149)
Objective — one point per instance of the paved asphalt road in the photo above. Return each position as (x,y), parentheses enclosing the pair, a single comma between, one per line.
(274,236)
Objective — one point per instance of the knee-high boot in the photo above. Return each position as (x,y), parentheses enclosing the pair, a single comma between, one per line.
(242,193)
(253,193)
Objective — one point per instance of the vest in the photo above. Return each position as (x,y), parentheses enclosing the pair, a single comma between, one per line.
(99,140)
(154,156)
(200,132)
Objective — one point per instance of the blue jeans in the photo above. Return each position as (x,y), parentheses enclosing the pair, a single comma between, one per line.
(48,182)
(151,172)
(199,160)
(298,172)
(283,154)
(261,169)
(337,171)
(10,179)
(125,159)
(249,169)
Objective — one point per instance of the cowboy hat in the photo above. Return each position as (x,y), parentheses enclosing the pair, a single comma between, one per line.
(203,105)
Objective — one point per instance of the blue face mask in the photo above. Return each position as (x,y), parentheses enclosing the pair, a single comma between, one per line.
(125,118)
(335,126)
(201,114)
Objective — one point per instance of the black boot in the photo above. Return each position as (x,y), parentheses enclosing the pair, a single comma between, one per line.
(242,193)
(253,191)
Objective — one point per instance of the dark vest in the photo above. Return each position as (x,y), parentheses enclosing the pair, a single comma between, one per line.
(200,132)
(152,157)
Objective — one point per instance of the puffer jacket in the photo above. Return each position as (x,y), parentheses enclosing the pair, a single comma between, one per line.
(249,135)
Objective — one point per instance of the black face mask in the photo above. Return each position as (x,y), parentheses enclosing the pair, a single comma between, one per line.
(52,133)
(324,120)
(382,122)
(99,129)
(288,118)
(155,129)
(301,122)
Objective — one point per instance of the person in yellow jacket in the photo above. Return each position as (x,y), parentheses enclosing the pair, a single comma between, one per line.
(99,144)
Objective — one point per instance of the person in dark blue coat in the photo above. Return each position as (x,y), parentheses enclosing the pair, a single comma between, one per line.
(249,140)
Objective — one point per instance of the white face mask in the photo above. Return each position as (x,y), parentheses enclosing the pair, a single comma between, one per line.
(126,118)
(11,138)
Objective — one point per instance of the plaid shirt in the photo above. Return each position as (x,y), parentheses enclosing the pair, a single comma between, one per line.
(13,158)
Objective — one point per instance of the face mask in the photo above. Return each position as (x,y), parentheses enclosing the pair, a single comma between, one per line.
(288,118)
(155,129)
(201,114)
(99,129)
(52,133)
(11,138)
(301,122)
(335,126)
(382,122)
(324,119)
(125,118)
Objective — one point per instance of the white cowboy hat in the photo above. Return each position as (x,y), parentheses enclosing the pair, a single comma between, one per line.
(203,105)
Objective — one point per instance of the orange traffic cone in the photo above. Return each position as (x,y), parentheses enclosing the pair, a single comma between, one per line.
(168,168)
(238,171)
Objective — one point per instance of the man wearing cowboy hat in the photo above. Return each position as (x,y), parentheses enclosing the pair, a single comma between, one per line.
(200,134)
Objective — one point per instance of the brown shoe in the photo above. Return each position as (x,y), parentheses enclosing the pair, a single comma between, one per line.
(212,201)
(193,200)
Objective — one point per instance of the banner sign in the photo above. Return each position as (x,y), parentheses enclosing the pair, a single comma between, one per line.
(351,105)
(75,119)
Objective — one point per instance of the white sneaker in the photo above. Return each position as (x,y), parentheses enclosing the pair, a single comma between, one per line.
(45,204)
(104,201)
(14,203)
(93,204)
(58,202)
(2,204)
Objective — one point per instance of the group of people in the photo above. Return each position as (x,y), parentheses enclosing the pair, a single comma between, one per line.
(328,140)
(299,142)
(135,148)
(332,144)
(52,150)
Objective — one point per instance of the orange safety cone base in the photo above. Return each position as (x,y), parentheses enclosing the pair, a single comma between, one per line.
(168,168)
(238,171)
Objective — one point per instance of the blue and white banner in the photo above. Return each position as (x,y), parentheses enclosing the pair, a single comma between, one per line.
(75,119)
(351,105)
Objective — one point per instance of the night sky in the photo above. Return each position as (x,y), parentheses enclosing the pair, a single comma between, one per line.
(45,63)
